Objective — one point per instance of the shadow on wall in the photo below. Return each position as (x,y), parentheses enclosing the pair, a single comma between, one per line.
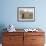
(2,26)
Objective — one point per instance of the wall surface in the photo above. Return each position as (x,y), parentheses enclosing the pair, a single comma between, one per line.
(8,13)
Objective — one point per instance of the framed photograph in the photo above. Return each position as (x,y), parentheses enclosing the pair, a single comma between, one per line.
(26,14)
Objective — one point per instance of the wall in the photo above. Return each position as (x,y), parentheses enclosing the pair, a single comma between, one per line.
(9,13)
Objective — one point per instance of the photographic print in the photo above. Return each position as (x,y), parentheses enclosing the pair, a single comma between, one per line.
(26,14)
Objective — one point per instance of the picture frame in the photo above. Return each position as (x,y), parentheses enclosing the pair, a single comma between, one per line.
(26,14)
